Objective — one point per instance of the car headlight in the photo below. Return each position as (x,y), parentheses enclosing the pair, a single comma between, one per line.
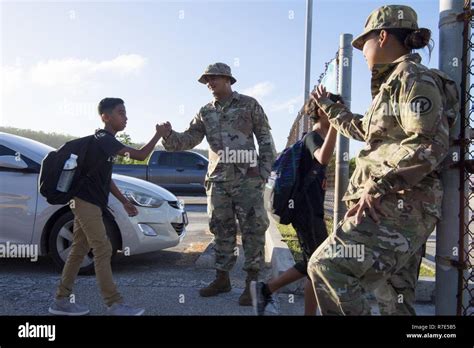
(142,199)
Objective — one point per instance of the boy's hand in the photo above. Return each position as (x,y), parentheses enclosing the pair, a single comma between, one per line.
(130,209)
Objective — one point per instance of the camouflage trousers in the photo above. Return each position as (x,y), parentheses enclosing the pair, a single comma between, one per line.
(385,261)
(397,295)
(241,198)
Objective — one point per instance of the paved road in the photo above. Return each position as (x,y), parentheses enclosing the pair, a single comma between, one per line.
(164,282)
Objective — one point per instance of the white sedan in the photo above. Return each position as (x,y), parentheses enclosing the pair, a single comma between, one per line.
(28,221)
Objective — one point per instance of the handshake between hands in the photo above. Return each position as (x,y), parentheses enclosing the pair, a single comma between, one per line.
(164,129)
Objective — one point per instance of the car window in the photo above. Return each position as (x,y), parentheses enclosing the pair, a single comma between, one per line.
(154,158)
(187,160)
(6,151)
(165,159)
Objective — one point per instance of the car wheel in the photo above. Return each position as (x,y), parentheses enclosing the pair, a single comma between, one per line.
(60,242)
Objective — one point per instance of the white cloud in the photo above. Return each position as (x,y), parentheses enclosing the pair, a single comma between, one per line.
(259,90)
(124,64)
(73,71)
(292,105)
(11,78)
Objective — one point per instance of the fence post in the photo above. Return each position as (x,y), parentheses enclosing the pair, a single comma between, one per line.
(448,229)
(342,144)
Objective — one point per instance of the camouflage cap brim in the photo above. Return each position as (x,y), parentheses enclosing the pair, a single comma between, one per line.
(359,41)
(202,79)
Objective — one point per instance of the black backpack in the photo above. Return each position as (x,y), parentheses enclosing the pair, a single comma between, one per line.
(52,166)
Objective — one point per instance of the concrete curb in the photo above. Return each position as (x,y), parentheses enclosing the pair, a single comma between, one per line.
(279,256)
(425,289)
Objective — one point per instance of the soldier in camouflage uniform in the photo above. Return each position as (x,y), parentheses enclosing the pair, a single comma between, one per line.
(236,175)
(395,193)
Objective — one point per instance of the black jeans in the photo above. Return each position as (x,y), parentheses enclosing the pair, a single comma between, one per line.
(311,231)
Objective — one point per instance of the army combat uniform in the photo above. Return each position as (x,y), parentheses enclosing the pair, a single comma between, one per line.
(236,175)
(406,133)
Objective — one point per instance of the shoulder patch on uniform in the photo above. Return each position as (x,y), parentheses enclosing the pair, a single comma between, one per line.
(420,105)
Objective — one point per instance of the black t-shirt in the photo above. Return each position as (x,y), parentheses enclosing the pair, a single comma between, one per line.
(100,158)
(313,176)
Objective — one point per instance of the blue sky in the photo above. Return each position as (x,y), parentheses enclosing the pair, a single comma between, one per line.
(59,58)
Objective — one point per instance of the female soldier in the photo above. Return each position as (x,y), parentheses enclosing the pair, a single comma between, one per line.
(394,196)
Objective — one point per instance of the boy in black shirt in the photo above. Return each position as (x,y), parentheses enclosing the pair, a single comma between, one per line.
(89,205)
(309,212)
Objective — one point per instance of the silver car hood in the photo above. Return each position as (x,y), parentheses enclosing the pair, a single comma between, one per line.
(130,182)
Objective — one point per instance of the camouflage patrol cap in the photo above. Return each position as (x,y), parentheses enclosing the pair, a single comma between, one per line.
(217,69)
(388,17)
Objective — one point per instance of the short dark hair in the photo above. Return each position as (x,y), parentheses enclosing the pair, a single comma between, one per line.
(108,104)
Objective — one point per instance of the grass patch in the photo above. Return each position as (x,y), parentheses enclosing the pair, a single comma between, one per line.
(289,237)
(426,271)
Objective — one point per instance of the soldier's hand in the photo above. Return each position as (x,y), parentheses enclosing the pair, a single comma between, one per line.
(366,202)
(163,129)
(168,128)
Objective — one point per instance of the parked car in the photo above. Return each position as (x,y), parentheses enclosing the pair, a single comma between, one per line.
(176,171)
(26,217)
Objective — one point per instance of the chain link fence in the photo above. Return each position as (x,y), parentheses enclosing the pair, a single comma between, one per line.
(466,237)
(302,123)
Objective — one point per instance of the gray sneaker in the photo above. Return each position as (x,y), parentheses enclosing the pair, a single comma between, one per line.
(124,309)
(66,307)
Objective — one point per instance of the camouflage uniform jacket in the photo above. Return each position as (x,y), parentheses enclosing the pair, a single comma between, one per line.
(229,127)
(406,134)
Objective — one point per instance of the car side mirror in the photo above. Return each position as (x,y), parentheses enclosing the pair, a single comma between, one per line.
(201,165)
(12,162)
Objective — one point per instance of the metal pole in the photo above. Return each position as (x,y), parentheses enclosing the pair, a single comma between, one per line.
(342,144)
(447,231)
(307,60)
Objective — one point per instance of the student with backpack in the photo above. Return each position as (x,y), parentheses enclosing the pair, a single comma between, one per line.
(306,207)
(90,190)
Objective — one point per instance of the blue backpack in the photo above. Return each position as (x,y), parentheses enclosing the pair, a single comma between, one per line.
(283,183)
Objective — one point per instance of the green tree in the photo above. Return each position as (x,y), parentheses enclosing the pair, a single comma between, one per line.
(126,139)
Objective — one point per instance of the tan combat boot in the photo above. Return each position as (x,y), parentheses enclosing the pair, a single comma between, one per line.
(219,285)
(246,299)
